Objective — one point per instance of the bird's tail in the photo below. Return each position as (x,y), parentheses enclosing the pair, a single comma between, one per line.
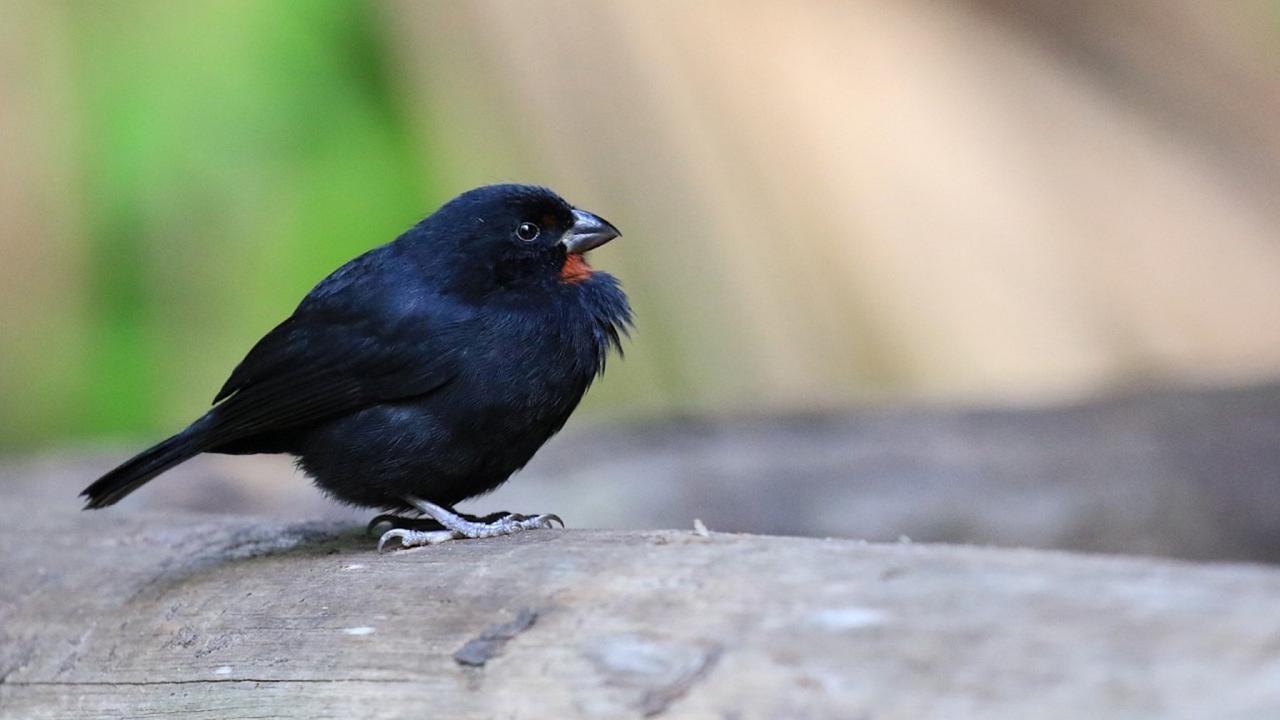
(134,473)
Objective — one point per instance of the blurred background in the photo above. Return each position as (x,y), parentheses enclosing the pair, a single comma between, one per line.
(829,208)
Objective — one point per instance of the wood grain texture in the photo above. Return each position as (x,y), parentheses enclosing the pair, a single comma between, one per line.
(1186,473)
(149,615)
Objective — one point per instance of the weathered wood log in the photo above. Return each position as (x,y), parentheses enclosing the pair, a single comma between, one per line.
(1193,474)
(170,615)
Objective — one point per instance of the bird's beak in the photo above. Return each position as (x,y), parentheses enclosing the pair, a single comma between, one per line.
(589,232)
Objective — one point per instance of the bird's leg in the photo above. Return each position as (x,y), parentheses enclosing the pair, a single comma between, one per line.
(457,526)
(390,521)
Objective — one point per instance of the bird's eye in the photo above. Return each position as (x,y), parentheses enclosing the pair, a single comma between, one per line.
(527,231)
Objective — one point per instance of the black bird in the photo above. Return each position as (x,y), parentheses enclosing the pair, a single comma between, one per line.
(427,370)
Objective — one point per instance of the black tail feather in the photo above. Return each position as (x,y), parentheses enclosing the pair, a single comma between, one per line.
(133,474)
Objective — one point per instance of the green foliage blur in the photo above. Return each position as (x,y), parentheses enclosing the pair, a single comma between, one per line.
(824,204)
(233,153)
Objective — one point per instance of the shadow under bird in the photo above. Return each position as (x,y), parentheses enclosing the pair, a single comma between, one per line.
(427,370)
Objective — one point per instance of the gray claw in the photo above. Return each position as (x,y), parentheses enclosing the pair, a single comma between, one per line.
(393,533)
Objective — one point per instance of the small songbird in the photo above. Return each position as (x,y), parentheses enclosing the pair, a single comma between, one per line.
(425,371)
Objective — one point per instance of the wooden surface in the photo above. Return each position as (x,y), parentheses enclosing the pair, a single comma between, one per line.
(170,615)
(1193,474)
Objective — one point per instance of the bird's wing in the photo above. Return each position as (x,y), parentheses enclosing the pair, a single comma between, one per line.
(322,362)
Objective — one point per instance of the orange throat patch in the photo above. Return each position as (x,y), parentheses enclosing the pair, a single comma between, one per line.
(575,269)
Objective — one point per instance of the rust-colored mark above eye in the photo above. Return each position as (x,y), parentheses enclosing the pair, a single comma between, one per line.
(575,269)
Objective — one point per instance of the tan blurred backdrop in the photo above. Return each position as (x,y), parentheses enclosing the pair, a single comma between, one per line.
(823,203)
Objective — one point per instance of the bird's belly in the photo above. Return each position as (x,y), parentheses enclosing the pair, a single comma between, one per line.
(445,447)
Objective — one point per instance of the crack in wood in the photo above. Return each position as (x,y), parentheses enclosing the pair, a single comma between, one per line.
(484,647)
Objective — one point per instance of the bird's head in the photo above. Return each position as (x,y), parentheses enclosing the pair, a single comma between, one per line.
(500,237)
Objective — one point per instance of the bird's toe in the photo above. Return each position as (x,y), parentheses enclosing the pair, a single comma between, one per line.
(414,538)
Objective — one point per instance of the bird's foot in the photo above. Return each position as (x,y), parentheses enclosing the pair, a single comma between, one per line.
(457,526)
(388,521)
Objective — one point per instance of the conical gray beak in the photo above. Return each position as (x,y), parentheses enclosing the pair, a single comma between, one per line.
(589,232)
